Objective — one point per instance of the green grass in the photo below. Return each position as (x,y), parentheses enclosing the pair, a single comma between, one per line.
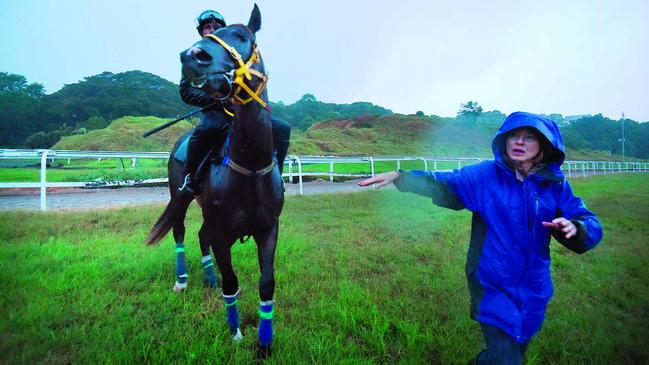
(112,169)
(368,278)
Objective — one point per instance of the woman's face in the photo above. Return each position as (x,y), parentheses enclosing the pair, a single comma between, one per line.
(523,145)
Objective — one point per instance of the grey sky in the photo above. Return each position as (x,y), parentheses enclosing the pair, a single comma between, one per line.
(569,57)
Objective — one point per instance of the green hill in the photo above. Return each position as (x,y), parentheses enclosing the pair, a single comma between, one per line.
(125,134)
(393,134)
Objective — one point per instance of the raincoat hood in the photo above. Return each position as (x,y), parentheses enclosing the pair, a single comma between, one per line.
(545,126)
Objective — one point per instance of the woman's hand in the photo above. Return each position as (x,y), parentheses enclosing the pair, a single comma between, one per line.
(561,224)
(380,180)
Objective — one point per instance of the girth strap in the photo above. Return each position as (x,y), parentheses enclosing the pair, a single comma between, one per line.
(242,170)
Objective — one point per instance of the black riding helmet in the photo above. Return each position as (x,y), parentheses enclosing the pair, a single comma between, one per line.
(208,16)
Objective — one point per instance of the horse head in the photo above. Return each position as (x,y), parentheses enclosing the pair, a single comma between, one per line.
(226,63)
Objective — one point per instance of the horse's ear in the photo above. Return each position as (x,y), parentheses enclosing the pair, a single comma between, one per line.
(254,24)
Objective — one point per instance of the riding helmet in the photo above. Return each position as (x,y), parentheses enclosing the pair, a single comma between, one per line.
(207,16)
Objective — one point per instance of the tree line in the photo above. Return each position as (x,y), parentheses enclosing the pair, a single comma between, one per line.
(31,119)
(592,132)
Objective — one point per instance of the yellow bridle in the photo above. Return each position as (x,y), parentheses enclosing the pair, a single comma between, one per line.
(244,72)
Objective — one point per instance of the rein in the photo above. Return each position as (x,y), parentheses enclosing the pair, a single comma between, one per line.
(244,72)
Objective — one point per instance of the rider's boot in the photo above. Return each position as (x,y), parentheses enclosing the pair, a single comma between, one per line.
(195,151)
(188,185)
(280,154)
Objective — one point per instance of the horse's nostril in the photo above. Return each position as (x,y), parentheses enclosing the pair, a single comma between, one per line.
(200,55)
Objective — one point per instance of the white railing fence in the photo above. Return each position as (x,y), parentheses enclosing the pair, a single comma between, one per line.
(317,166)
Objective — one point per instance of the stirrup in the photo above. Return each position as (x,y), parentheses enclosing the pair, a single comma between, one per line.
(186,186)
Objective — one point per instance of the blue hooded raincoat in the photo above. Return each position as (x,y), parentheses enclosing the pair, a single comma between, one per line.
(508,263)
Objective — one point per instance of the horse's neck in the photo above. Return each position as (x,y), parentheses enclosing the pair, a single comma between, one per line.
(251,141)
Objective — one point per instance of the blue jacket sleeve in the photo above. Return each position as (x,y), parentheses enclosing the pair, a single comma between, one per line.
(451,190)
(589,230)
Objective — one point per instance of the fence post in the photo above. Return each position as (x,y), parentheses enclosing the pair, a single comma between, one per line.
(44,180)
(372,165)
(435,165)
(569,170)
(398,165)
(133,162)
(425,163)
(290,170)
(583,169)
(299,173)
(331,171)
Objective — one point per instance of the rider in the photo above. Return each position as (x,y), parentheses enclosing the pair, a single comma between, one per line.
(213,125)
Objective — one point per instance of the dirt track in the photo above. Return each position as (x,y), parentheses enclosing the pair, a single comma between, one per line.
(79,199)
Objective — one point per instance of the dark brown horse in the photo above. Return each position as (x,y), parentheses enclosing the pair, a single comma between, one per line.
(242,195)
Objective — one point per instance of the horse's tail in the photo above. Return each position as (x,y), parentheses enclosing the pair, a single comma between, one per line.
(177,202)
(164,224)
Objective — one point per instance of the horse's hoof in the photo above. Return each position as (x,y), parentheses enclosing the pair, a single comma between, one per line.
(263,351)
(179,288)
(237,336)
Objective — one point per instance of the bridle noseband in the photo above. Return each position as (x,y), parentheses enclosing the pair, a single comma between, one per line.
(242,73)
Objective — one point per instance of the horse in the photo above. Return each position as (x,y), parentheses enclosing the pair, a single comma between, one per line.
(241,196)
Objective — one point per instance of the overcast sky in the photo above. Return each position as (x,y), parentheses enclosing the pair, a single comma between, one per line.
(568,57)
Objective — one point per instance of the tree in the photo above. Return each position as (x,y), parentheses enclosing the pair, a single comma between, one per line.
(308,110)
(19,102)
(96,123)
(469,110)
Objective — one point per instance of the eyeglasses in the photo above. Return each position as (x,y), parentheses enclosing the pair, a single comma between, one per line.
(209,15)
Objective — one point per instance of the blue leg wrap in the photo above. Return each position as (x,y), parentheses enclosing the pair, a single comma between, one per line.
(266,322)
(208,271)
(181,266)
(231,312)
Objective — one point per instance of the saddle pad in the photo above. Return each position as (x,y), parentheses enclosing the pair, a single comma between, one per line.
(181,152)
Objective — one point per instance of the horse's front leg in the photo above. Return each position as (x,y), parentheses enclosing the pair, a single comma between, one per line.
(221,247)
(266,244)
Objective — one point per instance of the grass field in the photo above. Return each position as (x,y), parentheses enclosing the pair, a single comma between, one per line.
(116,169)
(364,278)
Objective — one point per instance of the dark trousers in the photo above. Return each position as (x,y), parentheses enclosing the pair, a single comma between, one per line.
(501,348)
(211,131)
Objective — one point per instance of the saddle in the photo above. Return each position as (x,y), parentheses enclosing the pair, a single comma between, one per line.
(216,154)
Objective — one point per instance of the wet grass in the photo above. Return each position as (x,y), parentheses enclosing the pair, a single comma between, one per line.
(368,278)
(116,169)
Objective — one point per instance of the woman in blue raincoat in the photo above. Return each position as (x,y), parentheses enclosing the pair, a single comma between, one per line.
(518,200)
